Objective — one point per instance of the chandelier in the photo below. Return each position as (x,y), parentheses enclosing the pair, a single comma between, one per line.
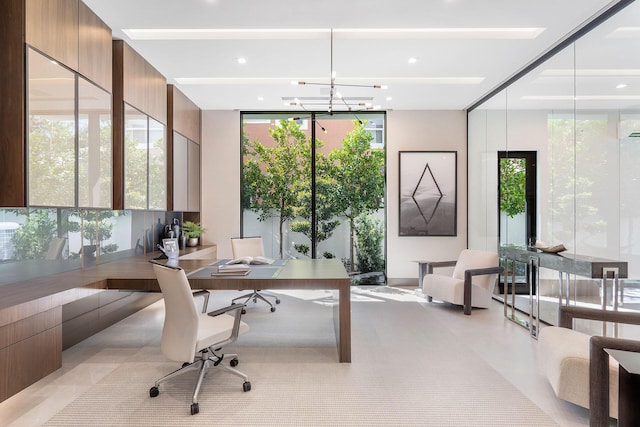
(335,96)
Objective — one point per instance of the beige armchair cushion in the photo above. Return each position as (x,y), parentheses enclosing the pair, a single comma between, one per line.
(563,356)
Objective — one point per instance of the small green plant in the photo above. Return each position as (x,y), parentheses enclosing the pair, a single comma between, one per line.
(192,229)
(369,235)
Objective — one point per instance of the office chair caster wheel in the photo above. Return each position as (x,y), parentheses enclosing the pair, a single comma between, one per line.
(195,408)
(154,392)
(273,309)
(277,301)
(233,363)
(246,386)
(243,311)
(255,300)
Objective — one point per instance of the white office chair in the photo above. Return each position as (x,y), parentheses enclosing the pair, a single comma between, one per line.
(193,338)
(251,246)
(472,283)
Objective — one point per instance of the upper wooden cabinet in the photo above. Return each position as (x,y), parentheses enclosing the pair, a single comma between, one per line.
(184,115)
(184,120)
(65,31)
(52,28)
(137,83)
(12,108)
(94,48)
(139,123)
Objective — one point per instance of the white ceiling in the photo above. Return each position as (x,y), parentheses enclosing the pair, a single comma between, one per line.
(452,70)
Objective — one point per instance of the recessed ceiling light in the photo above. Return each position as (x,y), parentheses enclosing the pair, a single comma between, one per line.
(621,86)
(412,60)
(260,98)
(242,60)
(389,98)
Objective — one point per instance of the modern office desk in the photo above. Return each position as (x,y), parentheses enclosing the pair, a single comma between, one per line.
(294,274)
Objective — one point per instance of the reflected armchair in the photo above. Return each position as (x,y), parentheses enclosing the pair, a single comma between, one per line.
(471,284)
(54,251)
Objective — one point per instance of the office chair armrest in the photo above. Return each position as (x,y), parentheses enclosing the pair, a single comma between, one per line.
(224,310)
(568,313)
(468,274)
(237,315)
(205,295)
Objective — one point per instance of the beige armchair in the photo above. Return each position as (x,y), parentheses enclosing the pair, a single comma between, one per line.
(576,365)
(472,282)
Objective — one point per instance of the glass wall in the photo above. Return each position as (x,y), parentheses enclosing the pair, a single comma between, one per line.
(313,186)
(579,112)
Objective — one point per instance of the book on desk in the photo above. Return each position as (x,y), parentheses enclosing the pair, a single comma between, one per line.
(232,270)
(248,260)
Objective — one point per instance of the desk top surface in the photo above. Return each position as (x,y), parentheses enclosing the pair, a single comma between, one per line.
(320,273)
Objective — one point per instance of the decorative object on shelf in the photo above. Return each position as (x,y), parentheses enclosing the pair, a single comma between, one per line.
(550,249)
(428,186)
(193,231)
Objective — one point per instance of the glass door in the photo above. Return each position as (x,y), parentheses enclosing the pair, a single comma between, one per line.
(517,205)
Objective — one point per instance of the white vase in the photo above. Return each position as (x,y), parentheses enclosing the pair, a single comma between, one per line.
(192,241)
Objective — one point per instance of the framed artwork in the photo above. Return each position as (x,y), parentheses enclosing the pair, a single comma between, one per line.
(428,192)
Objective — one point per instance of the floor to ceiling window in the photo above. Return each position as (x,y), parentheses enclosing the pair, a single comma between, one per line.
(313,185)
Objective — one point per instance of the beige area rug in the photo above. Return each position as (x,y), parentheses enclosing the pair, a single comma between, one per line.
(406,370)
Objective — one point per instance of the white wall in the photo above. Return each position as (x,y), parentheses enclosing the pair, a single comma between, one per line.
(423,131)
(406,130)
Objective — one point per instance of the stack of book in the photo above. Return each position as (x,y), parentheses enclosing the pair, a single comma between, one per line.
(233,270)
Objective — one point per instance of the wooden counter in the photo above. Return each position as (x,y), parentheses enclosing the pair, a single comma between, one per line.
(40,317)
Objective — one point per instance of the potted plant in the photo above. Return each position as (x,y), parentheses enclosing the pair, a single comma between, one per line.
(193,231)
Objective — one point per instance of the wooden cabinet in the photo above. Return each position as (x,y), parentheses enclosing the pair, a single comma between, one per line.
(51,139)
(66,33)
(184,171)
(52,28)
(140,135)
(94,48)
